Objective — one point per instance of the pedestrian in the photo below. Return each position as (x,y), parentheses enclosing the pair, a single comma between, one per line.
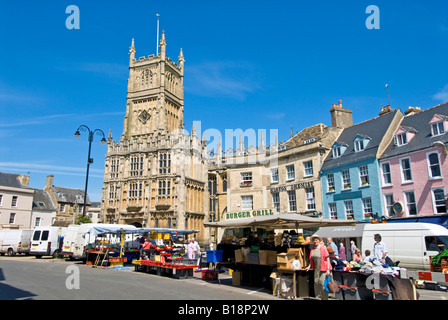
(190,249)
(357,257)
(342,254)
(379,249)
(333,246)
(368,258)
(352,247)
(320,262)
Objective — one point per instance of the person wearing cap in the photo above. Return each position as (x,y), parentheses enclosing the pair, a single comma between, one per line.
(320,262)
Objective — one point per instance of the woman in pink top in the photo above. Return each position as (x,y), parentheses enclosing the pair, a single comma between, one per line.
(320,262)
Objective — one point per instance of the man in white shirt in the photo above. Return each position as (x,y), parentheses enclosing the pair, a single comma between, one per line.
(379,249)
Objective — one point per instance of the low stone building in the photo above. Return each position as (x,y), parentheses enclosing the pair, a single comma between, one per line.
(69,203)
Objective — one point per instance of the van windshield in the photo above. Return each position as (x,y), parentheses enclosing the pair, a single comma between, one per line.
(36,235)
(437,243)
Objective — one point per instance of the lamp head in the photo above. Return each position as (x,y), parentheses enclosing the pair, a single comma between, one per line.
(77,134)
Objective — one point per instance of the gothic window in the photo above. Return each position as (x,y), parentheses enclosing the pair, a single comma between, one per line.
(136,166)
(164,163)
(164,187)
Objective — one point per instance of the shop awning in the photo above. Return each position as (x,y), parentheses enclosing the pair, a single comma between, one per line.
(281,221)
(342,231)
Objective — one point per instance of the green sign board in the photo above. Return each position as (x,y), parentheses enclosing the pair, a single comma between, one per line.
(249,214)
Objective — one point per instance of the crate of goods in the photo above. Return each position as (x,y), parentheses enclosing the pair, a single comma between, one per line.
(268,257)
(350,293)
(253,258)
(240,256)
(210,275)
(236,278)
(284,260)
(381,295)
(214,256)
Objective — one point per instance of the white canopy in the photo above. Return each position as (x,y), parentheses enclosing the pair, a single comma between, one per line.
(98,230)
(281,221)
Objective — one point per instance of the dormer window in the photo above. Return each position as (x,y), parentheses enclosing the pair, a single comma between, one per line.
(400,139)
(437,128)
(338,149)
(403,135)
(359,145)
(438,124)
(337,152)
(361,142)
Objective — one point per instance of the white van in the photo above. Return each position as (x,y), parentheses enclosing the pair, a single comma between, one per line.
(76,239)
(411,243)
(47,241)
(15,241)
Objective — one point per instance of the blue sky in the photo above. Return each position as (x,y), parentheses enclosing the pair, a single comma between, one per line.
(249,64)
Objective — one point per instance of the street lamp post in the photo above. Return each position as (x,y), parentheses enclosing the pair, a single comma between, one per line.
(89,160)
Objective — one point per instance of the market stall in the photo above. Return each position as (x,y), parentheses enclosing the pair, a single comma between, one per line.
(164,253)
(262,261)
(106,245)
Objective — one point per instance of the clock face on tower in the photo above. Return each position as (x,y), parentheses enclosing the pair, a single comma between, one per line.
(144,116)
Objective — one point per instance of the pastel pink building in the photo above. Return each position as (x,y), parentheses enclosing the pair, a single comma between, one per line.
(414,167)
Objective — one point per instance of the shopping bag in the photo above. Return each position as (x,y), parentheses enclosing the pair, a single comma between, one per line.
(327,280)
(330,285)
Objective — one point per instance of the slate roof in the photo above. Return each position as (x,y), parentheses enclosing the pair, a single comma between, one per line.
(423,138)
(374,128)
(10,180)
(67,195)
(42,201)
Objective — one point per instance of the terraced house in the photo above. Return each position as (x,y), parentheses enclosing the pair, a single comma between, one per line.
(413,168)
(350,174)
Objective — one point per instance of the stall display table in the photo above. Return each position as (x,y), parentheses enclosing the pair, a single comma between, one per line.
(174,269)
(386,287)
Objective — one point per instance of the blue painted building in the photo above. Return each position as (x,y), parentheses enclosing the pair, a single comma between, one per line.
(350,175)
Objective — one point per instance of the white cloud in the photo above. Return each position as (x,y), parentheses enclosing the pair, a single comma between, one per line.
(223,79)
(442,94)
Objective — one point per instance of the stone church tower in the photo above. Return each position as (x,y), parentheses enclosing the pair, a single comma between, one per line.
(156,175)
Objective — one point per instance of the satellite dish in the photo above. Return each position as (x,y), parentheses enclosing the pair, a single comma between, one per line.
(397,207)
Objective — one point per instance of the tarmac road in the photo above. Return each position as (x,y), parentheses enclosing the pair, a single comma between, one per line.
(28,278)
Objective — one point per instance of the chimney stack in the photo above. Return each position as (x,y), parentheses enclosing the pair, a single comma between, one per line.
(49,182)
(412,110)
(340,117)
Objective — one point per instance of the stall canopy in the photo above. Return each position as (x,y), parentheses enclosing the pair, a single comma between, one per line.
(342,231)
(281,221)
(99,230)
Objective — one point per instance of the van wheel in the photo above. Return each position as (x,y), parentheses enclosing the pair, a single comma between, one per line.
(38,256)
(11,252)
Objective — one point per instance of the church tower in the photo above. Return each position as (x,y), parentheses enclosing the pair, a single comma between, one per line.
(156,175)
(155,98)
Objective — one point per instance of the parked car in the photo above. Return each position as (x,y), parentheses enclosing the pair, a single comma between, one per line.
(15,241)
